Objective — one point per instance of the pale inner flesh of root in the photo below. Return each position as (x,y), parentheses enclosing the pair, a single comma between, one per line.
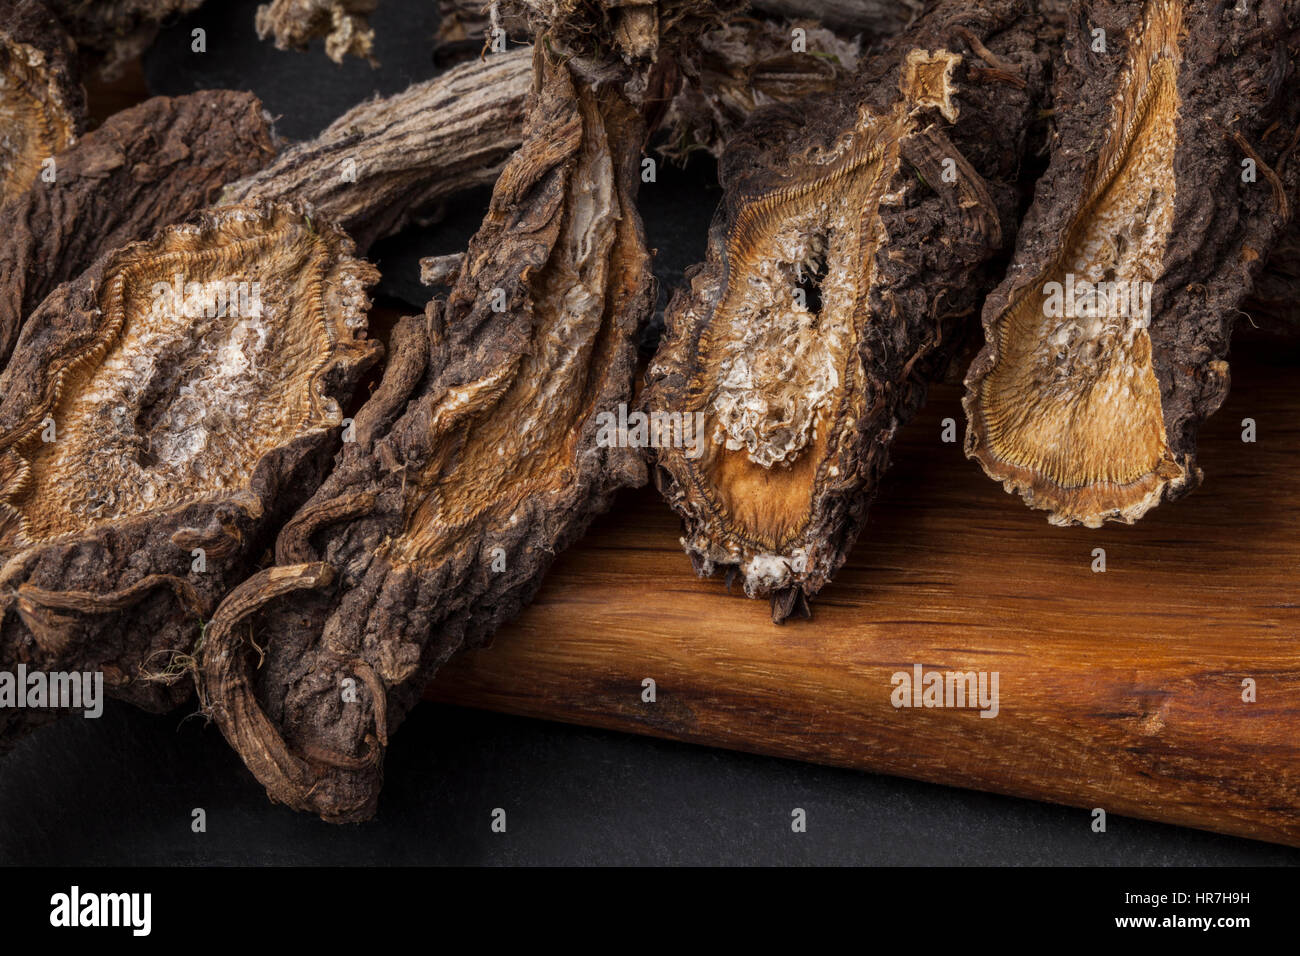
(779,361)
(511,437)
(779,378)
(192,391)
(1072,413)
(34,124)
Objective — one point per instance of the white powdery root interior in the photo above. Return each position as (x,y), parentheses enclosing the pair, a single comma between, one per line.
(174,409)
(781,366)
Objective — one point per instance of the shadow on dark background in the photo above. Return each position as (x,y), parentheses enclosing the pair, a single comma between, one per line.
(122,789)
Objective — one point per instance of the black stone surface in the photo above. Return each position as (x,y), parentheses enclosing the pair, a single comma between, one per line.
(122,789)
(304,91)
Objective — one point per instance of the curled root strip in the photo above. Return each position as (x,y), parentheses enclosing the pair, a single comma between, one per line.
(39,608)
(331,758)
(294,545)
(226,692)
(90,602)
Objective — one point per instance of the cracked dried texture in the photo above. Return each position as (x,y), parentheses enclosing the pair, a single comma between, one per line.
(727,72)
(840,266)
(1093,416)
(145,168)
(465,29)
(121,29)
(1073,402)
(476,461)
(773,364)
(386,160)
(343,24)
(42,106)
(609,30)
(743,65)
(137,425)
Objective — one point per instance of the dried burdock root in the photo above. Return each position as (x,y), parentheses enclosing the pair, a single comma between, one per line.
(475,461)
(472,28)
(42,104)
(145,168)
(120,29)
(159,416)
(726,73)
(607,30)
(1105,344)
(386,160)
(374,161)
(847,257)
(732,70)
(343,24)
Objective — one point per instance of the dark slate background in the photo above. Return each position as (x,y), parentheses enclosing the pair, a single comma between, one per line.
(121,789)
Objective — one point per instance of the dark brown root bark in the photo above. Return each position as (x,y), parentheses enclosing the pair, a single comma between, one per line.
(1105,344)
(42,104)
(849,254)
(147,167)
(387,160)
(607,31)
(475,462)
(151,433)
(732,70)
(1272,313)
(119,29)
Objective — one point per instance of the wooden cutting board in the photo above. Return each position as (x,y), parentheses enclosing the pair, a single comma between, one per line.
(1121,690)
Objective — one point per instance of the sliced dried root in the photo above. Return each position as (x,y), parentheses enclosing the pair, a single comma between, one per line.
(851,242)
(145,168)
(159,416)
(476,461)
(42,104)
(1105,345)
(168,421)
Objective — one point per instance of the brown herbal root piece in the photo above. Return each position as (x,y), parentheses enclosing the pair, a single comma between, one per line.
(605,31)
(121,29)
(850,248)
(386,160)
(343,24)
(475,462)
(385,189)
(158,416)
(465,30)
(145,168)
(1105,344)
(42,104)
(727,72)
(734,69)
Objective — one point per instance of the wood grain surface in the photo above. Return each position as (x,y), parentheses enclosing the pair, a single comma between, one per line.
(1121,690)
